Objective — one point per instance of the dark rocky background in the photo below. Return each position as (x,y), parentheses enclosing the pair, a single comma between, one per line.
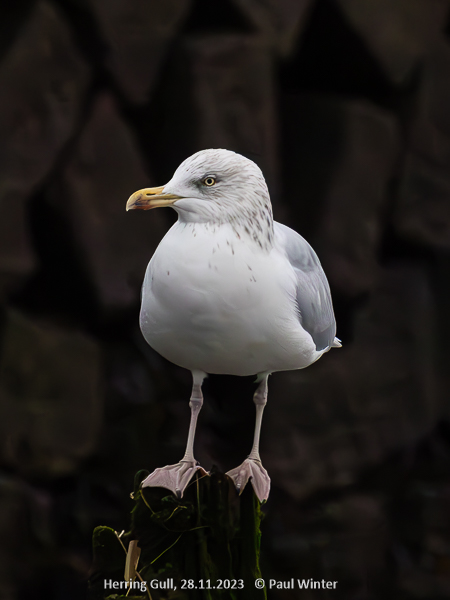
(345,105)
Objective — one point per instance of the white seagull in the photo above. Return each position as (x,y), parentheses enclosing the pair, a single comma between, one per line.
(230,291)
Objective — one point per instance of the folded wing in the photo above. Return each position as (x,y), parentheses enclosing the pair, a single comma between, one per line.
(313,292)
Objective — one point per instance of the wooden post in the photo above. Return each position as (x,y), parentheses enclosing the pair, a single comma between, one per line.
(204,546)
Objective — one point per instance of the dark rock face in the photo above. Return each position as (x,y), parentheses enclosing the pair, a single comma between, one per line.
(43,80)
(17,260)
(50,398)
(398,32)
(280,23)
(220,92)
(383,386)
(92,192)
(422,213)
(137,36)
(354,187)
(344,105)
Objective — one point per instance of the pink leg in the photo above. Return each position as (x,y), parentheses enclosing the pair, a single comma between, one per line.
(252,469)
(176,477)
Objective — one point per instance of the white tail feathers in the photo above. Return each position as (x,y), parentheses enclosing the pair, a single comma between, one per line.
(336,343)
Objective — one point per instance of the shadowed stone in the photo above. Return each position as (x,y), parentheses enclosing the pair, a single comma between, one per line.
(50,398)
(42,85)
(280,21)
(104,170)
(226,83)
(356,405)
(423,208)
(337,183)
(398,32)
(357,197)
(17,260)
(423,211)
(19,511)
(138,34)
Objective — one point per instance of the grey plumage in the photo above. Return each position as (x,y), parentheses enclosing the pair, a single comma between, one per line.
(315,308)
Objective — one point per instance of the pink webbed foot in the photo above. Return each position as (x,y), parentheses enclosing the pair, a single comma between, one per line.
(251,469)
(174,477)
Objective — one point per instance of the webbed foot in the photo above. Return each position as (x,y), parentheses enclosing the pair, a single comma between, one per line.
(251,469)
(174,477)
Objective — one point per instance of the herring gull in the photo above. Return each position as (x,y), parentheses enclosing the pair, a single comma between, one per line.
(230,291)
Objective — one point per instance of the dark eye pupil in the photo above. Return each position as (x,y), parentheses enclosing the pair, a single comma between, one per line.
(209,181)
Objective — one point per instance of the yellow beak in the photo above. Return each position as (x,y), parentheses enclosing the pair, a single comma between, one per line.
(148,198)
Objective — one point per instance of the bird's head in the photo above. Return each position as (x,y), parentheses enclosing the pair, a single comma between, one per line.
(213,185)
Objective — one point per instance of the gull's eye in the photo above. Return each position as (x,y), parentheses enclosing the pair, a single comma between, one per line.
(209,181)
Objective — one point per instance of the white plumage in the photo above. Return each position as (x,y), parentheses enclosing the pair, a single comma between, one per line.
(230,291)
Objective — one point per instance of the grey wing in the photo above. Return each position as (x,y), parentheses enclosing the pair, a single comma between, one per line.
(313,292)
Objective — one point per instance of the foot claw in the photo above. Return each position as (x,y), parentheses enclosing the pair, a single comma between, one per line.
(252,470)
(174,477)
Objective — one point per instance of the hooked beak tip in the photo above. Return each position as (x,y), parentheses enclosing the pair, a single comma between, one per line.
(133,200)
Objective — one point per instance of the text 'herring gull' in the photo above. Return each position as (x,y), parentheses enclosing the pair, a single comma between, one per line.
(230,291)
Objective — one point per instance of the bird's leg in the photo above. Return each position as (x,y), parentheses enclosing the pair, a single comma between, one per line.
(252,469)
(195,404)
(176,477)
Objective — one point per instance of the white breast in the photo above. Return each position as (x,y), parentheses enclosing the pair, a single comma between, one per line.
(216,303)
